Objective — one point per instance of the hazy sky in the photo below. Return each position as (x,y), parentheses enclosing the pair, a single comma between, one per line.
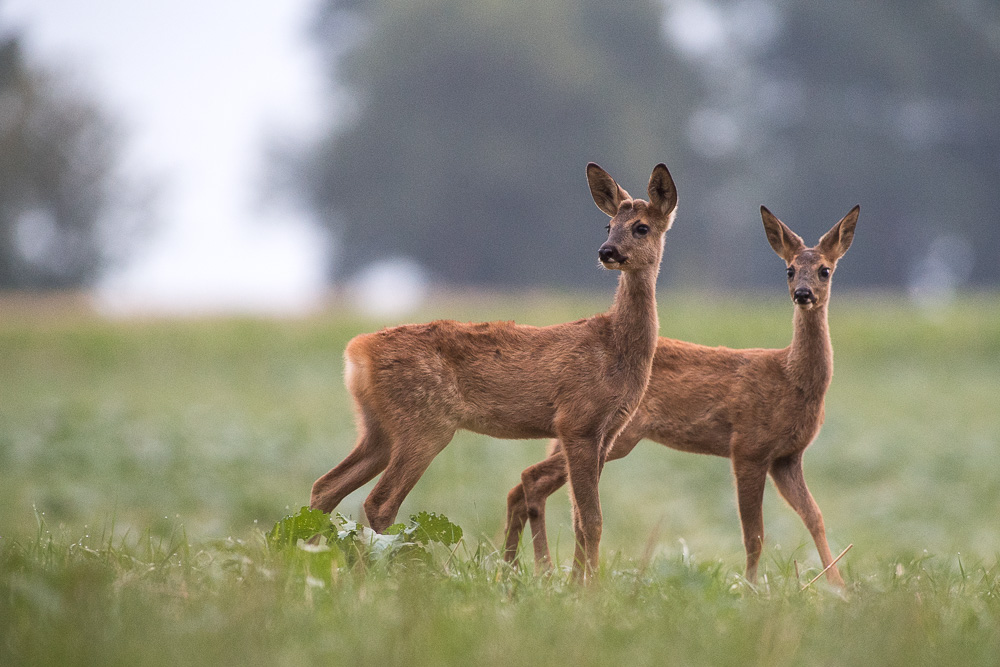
(199,86)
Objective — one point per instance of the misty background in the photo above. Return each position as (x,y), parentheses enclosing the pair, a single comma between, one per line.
(246,156)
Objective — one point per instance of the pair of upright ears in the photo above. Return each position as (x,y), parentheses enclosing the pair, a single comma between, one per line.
(608,195)
(788,244)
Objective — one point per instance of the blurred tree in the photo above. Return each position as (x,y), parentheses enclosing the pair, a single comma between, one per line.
(895,106)
(470,122)
(65,211)
(474,122)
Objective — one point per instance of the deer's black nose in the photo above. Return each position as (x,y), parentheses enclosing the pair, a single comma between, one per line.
(803,295)
(609,254)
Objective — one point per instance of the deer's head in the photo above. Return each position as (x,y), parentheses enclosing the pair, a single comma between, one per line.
(635,233)
(810,270)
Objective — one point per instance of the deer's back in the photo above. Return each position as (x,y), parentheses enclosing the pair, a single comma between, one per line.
(498,378)
(699,397)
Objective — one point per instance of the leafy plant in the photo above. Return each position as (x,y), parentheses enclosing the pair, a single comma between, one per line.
(305,525)
(314,531)
(427,527)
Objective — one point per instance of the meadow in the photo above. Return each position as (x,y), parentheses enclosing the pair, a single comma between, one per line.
(143,461)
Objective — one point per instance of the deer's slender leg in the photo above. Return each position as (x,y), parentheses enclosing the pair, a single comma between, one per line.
(368,458)
(407,464)
(583,465)
(517,517)
(539,482)
(526,501)
(750,479)
(790,480)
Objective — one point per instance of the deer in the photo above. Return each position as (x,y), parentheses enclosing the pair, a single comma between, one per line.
(760,408)
(414,386)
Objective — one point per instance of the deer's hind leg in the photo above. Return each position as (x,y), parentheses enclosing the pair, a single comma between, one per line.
(517,518)
(518,511)
(412,451)
(368,458)
(538,482)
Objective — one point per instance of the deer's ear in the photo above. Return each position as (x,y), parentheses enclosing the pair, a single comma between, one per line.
(662,191)
(607,194)
(836,241)
(784,241)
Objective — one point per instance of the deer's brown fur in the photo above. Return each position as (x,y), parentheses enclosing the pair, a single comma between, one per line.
(760,408)
(414,385)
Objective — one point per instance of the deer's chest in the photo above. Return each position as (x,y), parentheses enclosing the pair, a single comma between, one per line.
(799,422)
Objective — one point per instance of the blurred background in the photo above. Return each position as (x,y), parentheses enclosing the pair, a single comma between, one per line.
(245,156)
(360,163)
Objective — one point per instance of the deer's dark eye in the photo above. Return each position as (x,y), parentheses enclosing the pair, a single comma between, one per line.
(790,271)
(607,228)
(641,229)
(824,272)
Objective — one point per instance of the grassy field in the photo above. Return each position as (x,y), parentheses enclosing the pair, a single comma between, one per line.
(142,461)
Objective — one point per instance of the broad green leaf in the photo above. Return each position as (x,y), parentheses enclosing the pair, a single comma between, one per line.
(430,527)
(301,526)
(395,529)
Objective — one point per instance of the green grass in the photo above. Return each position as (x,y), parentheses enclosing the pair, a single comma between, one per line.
(141,463)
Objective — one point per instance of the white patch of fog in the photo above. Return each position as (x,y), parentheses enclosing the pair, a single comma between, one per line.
(724,40)
(269,267)
(389,288)
(201,100)
(937,276)
(706,30)
(695,28)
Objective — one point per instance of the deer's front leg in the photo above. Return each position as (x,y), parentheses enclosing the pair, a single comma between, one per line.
(583,467)
(750,479)
(790,480)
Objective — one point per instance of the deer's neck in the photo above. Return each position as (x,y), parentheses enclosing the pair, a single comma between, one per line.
(810,356)
(633,318)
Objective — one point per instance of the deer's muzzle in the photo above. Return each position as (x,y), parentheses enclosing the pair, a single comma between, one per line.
(804,296)
(608,254)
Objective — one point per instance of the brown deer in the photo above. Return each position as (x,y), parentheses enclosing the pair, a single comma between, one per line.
(415,385)
(758,408)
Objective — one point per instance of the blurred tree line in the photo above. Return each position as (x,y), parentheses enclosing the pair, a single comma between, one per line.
(66,209)
(468,124)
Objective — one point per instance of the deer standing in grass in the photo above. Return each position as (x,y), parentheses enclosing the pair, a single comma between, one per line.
(415,385)
(759,408)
